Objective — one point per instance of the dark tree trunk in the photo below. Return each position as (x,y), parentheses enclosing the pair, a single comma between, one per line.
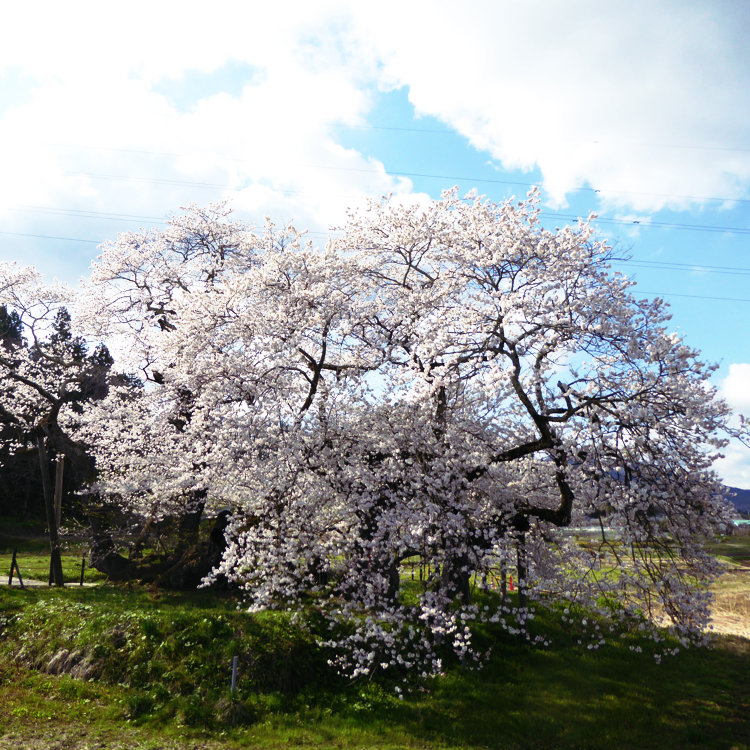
(103,555)
(394,580)
(187,566)
(55,567)
(456,578)
(522,571)
(189,562)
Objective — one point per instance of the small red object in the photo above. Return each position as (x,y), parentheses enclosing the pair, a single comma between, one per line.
(510,583)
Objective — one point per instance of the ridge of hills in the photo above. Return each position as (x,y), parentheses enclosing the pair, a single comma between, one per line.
(739,498)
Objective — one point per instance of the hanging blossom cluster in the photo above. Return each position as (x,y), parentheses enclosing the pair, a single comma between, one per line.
(446,388)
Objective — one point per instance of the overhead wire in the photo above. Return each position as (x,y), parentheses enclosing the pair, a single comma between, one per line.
(658,265)
(640,223)
(404,173)
(426,175)
(641,144)
(634,222)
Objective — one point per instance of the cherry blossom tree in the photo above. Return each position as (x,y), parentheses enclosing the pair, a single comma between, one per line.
(446,384)
(46,374)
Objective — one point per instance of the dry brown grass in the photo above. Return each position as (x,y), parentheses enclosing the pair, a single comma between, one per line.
(730,613)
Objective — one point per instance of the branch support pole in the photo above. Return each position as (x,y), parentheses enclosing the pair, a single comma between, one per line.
(59,466)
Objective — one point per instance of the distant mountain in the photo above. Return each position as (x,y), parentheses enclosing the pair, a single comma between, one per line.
(740,499)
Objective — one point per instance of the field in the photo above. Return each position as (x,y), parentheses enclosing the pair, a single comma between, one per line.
(731,611)
(129,667)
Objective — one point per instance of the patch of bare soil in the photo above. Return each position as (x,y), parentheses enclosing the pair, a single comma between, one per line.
(54,737)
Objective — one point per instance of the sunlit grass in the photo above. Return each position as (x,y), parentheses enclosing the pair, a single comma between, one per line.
(168,660)
(36,567)
(164,666)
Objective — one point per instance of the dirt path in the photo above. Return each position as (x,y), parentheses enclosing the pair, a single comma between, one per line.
(63,737)
(33,583)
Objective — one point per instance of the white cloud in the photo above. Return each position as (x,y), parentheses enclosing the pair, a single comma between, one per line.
(735,388)
(96,131)
(734,468)
(614,95)
(624,96)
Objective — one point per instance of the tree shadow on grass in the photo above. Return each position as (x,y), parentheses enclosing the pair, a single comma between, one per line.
(566,698)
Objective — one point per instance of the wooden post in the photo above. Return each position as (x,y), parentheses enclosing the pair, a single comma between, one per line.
(234,673)
(14,565)
(83,567)
(55,563)
(59,465)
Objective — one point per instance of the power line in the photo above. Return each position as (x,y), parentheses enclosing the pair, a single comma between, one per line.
(404,173)
(86,214)
(693,296)
(648,224)
(565,217)
(638,144)
(648,264)
(652,264)
(50,237)
(670,266)
(640,223)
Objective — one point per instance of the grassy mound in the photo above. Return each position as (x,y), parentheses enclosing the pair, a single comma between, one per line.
(131,667)
(174,651)
(148,669)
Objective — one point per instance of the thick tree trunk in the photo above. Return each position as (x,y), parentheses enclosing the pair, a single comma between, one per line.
(184,567)
(456,578)
(187,565)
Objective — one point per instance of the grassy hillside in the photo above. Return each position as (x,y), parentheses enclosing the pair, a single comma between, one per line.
(117,666)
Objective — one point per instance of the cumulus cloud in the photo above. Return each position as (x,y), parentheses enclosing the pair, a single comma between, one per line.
(735,388)
(643,101)
(97,126)
(734,468)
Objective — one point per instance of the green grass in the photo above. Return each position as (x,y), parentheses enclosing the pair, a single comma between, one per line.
(734,549)
(165,662)
(36,567)
(154,671)
(33,554)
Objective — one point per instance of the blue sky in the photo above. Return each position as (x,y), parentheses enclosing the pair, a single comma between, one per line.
(638,112)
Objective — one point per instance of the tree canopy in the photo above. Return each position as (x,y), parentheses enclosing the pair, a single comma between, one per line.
(447,383)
